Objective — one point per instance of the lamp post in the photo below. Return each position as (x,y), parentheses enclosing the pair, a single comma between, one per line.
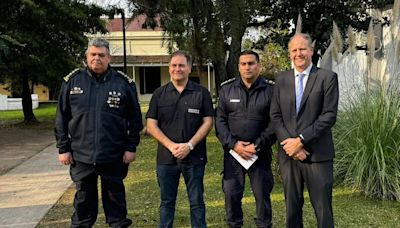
(121,11)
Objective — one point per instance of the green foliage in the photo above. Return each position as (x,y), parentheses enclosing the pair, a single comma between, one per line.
(368,127)
(274,59)
(207,29)
(210,30)
(318,17)
(368,145)
(46,39)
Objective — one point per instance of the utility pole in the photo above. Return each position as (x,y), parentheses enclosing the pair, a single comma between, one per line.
(124,38)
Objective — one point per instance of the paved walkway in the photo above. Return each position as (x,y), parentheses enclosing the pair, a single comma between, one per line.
(30,189)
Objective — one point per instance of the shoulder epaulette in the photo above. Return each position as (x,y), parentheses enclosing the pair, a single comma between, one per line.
(126,77)
(72,74)
(227,81)
(270,82)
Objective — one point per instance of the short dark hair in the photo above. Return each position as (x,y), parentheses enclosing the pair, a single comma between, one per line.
(250,52)
(184,54)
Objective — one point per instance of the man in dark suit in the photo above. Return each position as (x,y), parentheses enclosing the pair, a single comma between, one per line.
(303,111)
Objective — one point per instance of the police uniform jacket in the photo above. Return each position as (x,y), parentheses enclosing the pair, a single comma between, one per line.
(244,115)
(98,118)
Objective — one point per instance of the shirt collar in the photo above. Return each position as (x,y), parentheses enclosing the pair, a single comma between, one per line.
(306,72)
(189,86)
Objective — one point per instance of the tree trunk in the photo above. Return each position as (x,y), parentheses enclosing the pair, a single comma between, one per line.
(220,73)
(238,23)
(233,60)
(29,117)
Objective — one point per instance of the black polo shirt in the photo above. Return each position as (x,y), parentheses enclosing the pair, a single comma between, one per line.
(179,116)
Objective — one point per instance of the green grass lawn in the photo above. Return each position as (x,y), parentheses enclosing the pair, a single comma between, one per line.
(45,112)
(350,208)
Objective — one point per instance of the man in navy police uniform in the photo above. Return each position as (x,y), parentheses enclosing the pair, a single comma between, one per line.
(97,130)
(243,125)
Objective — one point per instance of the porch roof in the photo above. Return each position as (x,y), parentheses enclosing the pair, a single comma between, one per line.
(143,59)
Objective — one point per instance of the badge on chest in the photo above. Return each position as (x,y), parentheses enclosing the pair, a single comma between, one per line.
(114,99)
(76,90)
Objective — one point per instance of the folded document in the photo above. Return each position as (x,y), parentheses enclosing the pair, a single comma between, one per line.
(245,163)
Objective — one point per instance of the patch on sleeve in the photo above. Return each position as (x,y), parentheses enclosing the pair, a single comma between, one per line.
(126,77)
(228,81)
(72,74)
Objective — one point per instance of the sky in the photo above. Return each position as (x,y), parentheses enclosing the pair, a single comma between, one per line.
(104,3)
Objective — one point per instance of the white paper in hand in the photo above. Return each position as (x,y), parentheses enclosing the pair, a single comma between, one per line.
(245,163)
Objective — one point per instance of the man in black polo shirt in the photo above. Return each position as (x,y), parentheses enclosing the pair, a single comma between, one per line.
(180,116)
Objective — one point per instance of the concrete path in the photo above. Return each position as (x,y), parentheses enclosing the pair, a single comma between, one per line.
(30,189)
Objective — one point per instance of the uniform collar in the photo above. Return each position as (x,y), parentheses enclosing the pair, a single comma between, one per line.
(102,78)
(259,82)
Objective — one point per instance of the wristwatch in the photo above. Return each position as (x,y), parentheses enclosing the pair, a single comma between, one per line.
(301,138)
(191,147)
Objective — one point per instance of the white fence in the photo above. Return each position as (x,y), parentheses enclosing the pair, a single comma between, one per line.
(16,103)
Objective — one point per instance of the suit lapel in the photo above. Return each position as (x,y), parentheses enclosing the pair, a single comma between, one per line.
(310,83)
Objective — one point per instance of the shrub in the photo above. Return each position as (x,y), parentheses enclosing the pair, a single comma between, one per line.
(368,144)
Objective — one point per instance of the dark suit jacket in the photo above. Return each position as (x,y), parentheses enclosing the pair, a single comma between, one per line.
(317,113)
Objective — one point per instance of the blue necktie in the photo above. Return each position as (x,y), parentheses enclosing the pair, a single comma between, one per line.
(299,91)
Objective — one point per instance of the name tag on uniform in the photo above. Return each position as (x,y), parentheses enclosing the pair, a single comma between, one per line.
(234,100)
(194,111)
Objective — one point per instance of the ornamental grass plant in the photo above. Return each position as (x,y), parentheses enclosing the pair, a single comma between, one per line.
(368,126)
(368,145)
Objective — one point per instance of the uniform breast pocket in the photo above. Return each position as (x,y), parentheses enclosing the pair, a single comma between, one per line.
(79,103)
(195,115)
(234,104)
(260,108)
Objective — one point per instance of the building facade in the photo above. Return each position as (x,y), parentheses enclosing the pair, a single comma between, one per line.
(147,56)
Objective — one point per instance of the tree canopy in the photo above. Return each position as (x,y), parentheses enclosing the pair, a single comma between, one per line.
(210,30)
(213,30)
(40,41)
(318,17)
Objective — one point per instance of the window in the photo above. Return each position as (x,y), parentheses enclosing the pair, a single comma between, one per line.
(150,79)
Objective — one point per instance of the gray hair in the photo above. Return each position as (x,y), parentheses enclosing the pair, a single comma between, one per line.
(99,42)
(184,54)
(303,35)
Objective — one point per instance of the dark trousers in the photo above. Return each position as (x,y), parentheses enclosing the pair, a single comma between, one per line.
(318,178)
(233,182)
(112,192)
(168,180)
